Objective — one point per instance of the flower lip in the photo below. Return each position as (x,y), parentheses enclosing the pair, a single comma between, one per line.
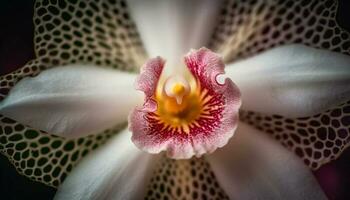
(185,115)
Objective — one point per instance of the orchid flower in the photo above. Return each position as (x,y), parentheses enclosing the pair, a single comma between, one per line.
(215,77)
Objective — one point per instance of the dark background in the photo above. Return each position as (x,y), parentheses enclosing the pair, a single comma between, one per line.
(16,48)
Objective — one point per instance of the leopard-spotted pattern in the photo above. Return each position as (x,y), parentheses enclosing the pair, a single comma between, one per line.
(316,139)
(184,179)
(246,28)
(43,157)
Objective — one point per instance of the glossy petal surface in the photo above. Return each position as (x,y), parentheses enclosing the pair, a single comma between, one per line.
(72,101)
(253,166)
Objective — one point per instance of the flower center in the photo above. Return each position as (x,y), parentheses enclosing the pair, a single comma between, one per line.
(180,104)
(188,113)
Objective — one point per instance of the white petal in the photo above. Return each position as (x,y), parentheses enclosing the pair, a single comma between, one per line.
(253,166)
(116,170)
(171,28)
(292,80)
(72,101)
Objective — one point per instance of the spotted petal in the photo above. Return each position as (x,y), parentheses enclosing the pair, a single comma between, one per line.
(99,32)
(252,166)
(43,157)
(184,179)
(317,139)
(249,27)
